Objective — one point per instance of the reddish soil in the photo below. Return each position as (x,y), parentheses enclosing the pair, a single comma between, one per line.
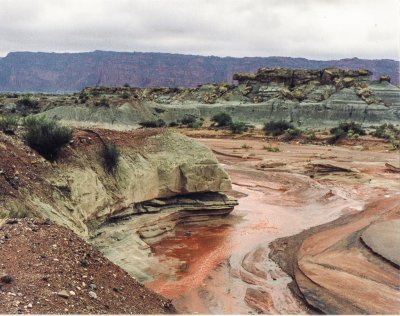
(236,276)
(19,167)
(218,268)
(45,259)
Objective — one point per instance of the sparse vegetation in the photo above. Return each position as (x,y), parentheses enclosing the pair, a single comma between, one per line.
(291,134)
(153,123)
(271,149)
(126,85)
(245,146)
(8,124)
(15,212)
(83,97)
(386,131)
(191,121)
(104,102)
(196,124)
(222,119)
(27,102)
(125,95)
(110,155)
(347,127)
(310,135)
(238,127)
(47,137)
(350,129)
(276,128)
(188,119)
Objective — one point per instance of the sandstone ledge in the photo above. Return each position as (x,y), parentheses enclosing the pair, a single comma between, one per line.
(78,193)
(333,269)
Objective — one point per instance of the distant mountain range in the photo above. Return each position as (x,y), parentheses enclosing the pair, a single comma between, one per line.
(68,72)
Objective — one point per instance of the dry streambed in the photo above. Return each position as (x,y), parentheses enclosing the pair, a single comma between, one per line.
(223,266)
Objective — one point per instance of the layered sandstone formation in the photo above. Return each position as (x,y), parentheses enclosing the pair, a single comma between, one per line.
(351,265)
(303,97)
(78,193)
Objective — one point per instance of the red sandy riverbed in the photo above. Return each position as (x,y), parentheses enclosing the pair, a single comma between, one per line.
(223,266)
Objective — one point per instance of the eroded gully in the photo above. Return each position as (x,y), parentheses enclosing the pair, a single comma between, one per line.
(222,267)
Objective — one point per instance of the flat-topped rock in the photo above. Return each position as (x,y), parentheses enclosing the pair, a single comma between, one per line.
(384,239)
(294,77)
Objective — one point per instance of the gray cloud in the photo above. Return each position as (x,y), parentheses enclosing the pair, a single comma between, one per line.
(319,29)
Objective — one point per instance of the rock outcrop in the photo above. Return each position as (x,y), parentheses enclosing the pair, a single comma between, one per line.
(295,77)
(303,97)
(348,266)
(79,194)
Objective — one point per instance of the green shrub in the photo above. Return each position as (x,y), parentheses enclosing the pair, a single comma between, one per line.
(110,155)
(196,124)
(350,129)
(27,102)
(154,123)
(104,102)
(15,212)
(126,85)
(386,131)
(8,124)
(125,95)
(238,127)
(46,137)
(276,128)
(291,134)
(222,119)
(83,97)
(310,135)
(188,119)
(337,134)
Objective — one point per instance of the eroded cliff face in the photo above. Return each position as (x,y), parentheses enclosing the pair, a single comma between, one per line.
(312,98)
(78,193)
(60,72)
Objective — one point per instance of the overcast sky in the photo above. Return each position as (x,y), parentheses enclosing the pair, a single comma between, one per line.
(318,29)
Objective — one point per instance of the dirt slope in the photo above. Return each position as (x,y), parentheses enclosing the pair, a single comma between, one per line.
(47,269)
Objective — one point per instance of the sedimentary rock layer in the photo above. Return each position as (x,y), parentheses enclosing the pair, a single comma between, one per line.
(349,266)
(303,97)
(78,193)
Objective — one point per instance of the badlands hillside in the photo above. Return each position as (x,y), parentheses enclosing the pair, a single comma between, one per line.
(182,191)
(306,98)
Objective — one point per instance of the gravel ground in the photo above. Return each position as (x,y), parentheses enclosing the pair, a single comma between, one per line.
(47,269)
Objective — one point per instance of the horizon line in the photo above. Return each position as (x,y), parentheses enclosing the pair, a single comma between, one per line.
(188,54)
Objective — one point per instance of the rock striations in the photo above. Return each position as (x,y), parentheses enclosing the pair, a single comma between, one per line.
(303,97)
(62,72)
(78,193)
(348,266)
